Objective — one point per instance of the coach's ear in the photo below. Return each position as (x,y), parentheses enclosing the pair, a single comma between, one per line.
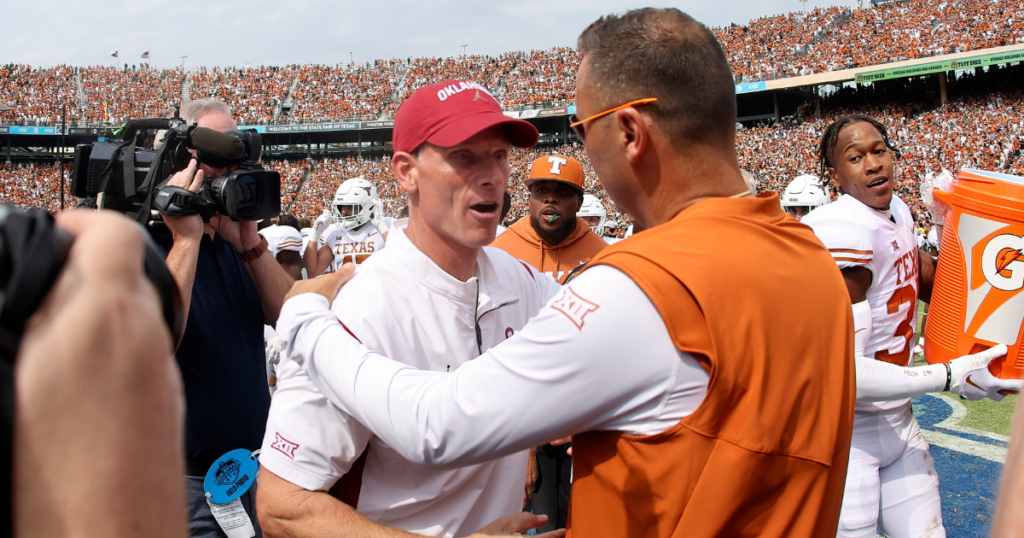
(633,133)
(403,165)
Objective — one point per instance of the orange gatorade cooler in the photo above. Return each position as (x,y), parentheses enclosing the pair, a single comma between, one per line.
(977,300)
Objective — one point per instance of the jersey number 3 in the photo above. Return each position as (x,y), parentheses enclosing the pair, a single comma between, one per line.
(904,330)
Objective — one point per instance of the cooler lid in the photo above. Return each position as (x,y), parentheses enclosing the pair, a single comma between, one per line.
(996,175)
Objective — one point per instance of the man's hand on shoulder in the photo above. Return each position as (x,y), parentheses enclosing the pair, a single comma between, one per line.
(327,285)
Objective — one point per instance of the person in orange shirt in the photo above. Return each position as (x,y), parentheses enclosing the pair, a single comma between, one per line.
(701,402)
(553,239)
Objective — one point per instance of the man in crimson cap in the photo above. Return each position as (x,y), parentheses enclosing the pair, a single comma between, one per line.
(434,295)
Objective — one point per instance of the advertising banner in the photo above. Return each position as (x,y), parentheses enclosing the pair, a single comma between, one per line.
(3,130)
(547,113)
(313,127)
(938,67)
(748,87)
(13,129)
(389,124)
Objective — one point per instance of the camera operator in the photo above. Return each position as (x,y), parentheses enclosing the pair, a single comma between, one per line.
(229,285)
(98,437)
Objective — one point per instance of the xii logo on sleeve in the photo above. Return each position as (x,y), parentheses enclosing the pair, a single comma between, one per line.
(285,446)
(574,307)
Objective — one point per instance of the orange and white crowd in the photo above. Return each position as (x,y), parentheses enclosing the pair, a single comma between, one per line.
(797,43)
(981,129)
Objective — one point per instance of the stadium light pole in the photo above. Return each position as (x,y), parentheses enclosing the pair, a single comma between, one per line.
(351,59)
(464,45)
(183,56)
(804,2)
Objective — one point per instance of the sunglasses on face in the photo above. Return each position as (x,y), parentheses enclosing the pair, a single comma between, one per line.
(579,126)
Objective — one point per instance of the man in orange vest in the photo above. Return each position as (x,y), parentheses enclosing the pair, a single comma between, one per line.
(701,401)
(553,239)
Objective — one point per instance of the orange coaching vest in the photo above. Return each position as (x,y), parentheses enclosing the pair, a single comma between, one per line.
(757,299)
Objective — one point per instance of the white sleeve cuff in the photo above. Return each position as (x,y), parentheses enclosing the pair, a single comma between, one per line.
(879,381)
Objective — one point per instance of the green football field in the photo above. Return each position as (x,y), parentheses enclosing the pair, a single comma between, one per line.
(984,415)
(969,442)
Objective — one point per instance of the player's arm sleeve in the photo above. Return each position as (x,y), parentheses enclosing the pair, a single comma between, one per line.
(848,244)
(879,381)
(537,386)
(308,440)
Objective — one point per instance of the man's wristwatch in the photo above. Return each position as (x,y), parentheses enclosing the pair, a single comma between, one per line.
(251,255)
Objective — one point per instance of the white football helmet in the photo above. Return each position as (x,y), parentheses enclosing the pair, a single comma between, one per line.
(592,207)
(802,195)
(355,197)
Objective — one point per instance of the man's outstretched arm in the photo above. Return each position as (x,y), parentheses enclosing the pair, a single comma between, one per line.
(535,387)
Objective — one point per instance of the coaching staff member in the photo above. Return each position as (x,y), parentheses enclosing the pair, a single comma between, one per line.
(552,238)
(708,406)
(230,285)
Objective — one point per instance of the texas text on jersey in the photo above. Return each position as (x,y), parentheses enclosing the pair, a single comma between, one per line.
(885,244)
(353,246)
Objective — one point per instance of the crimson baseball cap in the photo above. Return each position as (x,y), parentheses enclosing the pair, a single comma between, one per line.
(450,112)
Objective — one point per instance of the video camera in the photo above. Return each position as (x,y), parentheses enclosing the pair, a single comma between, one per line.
(128,176)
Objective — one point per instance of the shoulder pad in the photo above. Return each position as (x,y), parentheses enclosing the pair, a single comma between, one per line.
(848,243)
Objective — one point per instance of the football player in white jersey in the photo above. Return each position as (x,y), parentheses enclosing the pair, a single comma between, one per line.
(891,481)
(358,227)
(803,195)
(284,242)
(593,211)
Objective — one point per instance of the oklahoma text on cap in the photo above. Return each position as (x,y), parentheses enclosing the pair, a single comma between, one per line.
(450,112)
(557,168)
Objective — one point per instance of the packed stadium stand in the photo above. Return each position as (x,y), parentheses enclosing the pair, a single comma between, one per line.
(825,39)
(981,126)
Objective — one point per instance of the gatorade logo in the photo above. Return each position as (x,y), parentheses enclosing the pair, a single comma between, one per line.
(1002,262)
(995,278)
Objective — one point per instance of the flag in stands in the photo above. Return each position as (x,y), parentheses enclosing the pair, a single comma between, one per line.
(145,55)
(114,54)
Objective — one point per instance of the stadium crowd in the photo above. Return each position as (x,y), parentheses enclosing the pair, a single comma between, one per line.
(326,93)
(793,44)
(981,128)
(833,38)
(33,185)
(118,95)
